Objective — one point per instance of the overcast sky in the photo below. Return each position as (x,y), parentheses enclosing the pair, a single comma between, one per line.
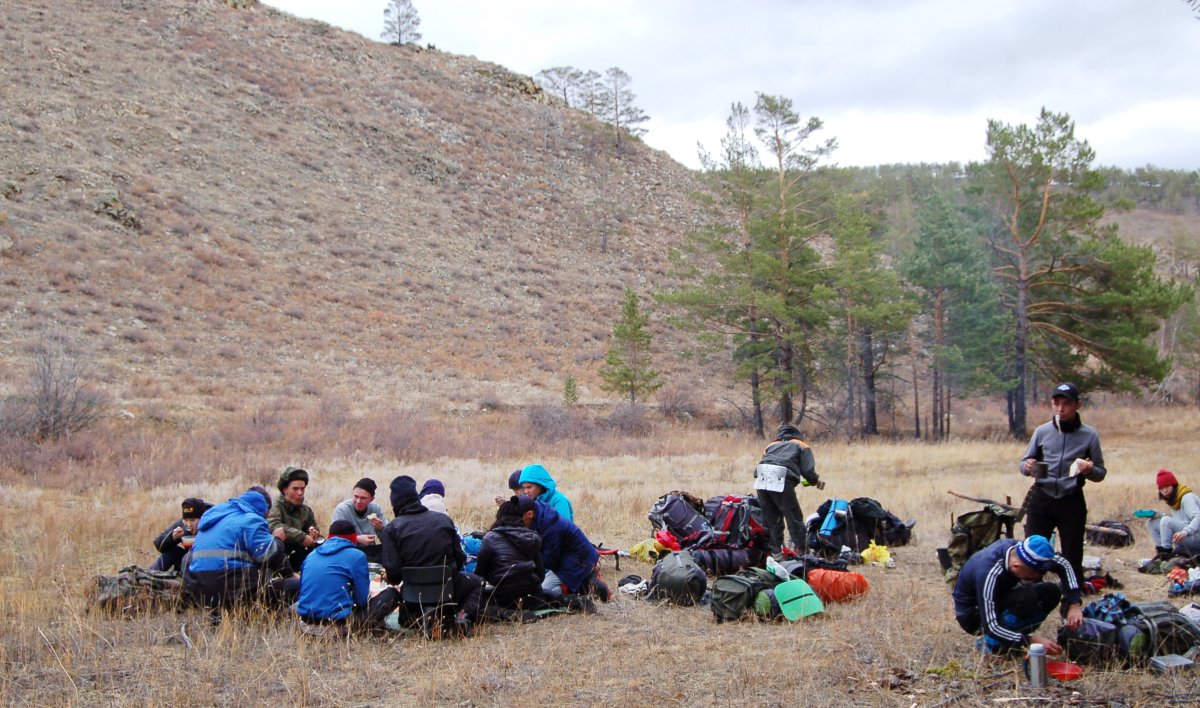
(893,80)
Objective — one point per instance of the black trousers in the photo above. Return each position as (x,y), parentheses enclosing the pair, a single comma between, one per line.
(1044,514)
(778,507)
(1022,608)
(225,588)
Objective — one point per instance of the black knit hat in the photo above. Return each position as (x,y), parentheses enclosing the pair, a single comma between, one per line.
(367,485)
(404,492)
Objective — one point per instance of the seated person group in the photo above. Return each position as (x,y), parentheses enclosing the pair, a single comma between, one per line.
(254,549)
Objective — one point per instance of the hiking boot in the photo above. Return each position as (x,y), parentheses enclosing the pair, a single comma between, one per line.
(580,603)
(600,590)
(1163,553)
(463,625)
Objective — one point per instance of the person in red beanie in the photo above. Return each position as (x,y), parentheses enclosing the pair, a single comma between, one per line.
(1179,532)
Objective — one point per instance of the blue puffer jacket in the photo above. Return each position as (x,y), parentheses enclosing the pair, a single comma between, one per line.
(565,549)
(538,475)
(333,581)
(234,535)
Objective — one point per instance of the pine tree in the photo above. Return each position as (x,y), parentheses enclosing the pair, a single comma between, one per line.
(626,367)
(570,392)
(1083,302)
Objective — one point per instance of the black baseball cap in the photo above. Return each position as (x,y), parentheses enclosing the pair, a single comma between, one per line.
(1066,390)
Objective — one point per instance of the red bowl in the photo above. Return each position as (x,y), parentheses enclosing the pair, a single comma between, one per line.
(1064,670)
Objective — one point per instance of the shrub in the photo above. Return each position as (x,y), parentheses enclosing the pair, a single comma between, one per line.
(57,403)
(629,419)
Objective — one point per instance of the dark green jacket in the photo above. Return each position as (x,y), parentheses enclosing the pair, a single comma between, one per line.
(295,520)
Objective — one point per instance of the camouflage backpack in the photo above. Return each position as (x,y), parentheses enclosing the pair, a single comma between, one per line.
(975,531)
(134,589)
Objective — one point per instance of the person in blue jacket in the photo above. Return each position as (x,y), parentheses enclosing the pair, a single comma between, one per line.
(569,559)
(335,585)
(1000,593)
(537,483)
(233,545)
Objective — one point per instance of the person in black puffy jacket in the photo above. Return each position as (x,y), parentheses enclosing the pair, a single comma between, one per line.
(510,557)
(787,462)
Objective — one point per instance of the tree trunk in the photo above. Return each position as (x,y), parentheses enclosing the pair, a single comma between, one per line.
(1016,421)
(756,403)
(870,414)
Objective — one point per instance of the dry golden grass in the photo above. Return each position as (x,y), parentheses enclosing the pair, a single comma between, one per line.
(898,646)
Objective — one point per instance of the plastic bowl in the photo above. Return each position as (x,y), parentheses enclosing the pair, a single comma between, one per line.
(1064,670)
(187,541)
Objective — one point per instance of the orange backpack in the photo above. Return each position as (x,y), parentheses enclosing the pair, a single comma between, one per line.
(837,585)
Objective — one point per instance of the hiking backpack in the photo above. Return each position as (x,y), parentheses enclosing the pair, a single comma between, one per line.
(134,589)
(678,579)
(1145,629)
(874,523)
(681,514)
(975,531)
(733,595)
(1169,631)
(734,525)
(855,524)
(1095,536)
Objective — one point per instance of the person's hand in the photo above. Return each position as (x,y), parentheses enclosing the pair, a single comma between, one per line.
(279,533)
(366,539)
(1074,617)
(499,501)
(178,532)
(376,522)
(1027,465)
(1085,466)
(1052,647)
(1178,537)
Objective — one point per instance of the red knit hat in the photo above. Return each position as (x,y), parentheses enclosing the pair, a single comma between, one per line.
(1165,478)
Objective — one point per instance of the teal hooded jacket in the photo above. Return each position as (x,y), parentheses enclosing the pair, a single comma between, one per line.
(551,497)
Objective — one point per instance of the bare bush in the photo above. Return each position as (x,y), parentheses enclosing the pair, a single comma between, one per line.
(679,402)
(554,423)
(629,419)
(56,402)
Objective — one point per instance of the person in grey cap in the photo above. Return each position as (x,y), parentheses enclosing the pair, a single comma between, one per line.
(367,517)
(1063,455)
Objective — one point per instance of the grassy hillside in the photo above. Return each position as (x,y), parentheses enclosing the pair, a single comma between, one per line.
(224,204)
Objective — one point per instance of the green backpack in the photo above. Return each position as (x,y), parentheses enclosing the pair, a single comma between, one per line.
(973,532)
(733,595)
(678,579)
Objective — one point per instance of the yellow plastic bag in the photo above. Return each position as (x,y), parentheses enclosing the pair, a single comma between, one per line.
(876,555)
(648,551)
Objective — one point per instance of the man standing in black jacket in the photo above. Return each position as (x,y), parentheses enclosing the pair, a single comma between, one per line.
(787,462)
(418,537)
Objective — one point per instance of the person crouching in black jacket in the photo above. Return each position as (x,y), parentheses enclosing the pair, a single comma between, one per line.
(510,558)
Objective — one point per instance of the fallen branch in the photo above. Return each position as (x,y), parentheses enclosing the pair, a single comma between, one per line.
(981,500)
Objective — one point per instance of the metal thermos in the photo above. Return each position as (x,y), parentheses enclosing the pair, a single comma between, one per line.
(1037,665)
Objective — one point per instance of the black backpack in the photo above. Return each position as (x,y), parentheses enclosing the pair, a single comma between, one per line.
(1144,629)
(678,579)
(682,515)
(874,523)
(721,561)
(1113,534)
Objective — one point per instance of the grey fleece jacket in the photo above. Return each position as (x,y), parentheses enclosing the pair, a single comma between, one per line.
(1059,446)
